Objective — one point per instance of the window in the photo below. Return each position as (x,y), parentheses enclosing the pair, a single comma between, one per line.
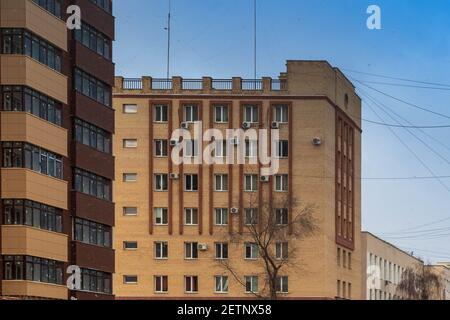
(94,40)
(161,216)
(129,177)
(221,182)
(191,182)
(251,182)
(221,250)
(161,250)
(281,183)
(344,260)
(251,251)
(130,143)
(282,250)
(251,284)
(221,284)
(93,136)
(96,281)
(281,217)
(281,114)
(103,4)
(251,216)
(191,250)
(220,149)
(161,284)
(338,257)
(338,291)
(52,6)
(190,217)
(92,87)
(282,149)
(251,148)
(191,114)
(130,245)
(221,216)
(130,108)
(92,233)
(33,269)
(21,41)
(33,214)
(130,279)
(92,184)
(25,155)
(161,148)
(350,261)
(161,182)
(20,98)
(251,114)
(221,114)
(191,148)
(282,284)
(161,113)
(191,284)
(130,211)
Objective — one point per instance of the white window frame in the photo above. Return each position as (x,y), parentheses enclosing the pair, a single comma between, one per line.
(130,242)
(281,113)
(162,245)
(191,280)
(280,212)
(254,251)
(130,177)
(125,214)
(219,250)
(282,284)
(281,183)
(221,149)
(282,251)
(130,282)
(254,113)
(251,148)
(222,112)
(223,215)
(191,250)
(161,148)
(160,280)
(221,182)
(254,212)
(163,179)
(190,216)
(221,284)
(254,281)
(252,179)
(191,113)
(163,215)
(191,148)
(193,180)
(282,152)
(161,112)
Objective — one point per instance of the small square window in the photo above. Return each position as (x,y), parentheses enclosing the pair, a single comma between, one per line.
(130,143)
(129,177)
(130,279)
(130,211)
(130,108)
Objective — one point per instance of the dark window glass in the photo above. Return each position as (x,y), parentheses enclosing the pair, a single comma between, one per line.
(94,40)
(92,87)
(52,6)
(95,281)
(33,269)
(91,184)
(92,136)
(92,233)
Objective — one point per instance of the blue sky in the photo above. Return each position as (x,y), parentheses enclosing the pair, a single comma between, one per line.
(214,38)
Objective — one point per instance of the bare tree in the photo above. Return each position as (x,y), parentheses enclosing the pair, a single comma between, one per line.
(265,231)
(420,283)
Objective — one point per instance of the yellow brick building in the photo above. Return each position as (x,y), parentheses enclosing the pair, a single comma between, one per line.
(158,221)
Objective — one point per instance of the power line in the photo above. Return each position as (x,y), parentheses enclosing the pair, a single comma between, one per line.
(403,101)
(403,126)
(426,224)
(404,85)
(397,78)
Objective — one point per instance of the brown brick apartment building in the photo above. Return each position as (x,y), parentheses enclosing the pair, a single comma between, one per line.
(57,166)
(172,221)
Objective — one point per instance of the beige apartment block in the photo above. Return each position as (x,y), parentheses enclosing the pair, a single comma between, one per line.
(443,270)
(319,119)
(384,265)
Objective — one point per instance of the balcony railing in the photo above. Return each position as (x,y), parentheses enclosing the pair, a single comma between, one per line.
(192,84)
(132,84)
(162,84)
(222,84)
(252,85)
(279,85)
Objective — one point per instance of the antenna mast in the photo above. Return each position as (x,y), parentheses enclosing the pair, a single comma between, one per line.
(168,39)
(255,39)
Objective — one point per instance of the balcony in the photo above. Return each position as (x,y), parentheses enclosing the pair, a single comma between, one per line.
(21,126)
(28,15)
(20,183)
(23,70)
(91,208)
(38,290)
(93,257)
(93,160)
(28,241)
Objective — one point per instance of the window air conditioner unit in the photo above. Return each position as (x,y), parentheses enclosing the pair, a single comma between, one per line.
(185,125)
(174,176)
(317,142)
(275,125)
(234,210)
(202,247)
(265,178)
(246,125)
(173,143)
